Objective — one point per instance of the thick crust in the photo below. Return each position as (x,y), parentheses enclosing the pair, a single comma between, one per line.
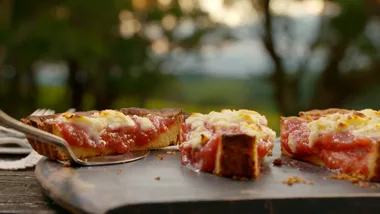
(167,112)
(168,138)
(375,165)
(373,157)
(237,157)
(320,113)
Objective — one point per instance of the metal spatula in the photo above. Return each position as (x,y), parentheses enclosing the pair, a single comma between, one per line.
(37,134)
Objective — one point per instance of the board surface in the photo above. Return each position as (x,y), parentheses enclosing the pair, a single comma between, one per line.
(152,185)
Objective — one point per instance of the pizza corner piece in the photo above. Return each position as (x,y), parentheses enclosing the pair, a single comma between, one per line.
(344,141)
(229,143)
(108,132)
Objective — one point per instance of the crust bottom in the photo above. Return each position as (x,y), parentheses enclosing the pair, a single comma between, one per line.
(311,159)
(169,138)
(237,157)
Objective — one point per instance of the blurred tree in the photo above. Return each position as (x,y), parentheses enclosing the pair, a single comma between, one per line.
(112,48)
(338,35)
(118,48)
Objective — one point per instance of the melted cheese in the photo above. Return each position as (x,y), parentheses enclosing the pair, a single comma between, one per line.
(97,122)
(292,143)
(144,122)
(364,123)
(249,122)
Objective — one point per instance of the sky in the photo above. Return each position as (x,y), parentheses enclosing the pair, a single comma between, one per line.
(240,12)
(248,56)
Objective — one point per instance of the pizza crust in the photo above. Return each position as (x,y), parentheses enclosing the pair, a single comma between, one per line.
(320,113)
(170,137)
(237,157)
(374,164)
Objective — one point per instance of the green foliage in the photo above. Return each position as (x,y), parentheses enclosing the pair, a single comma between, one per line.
(352,19)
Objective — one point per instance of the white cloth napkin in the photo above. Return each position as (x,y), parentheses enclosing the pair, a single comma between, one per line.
(29,161)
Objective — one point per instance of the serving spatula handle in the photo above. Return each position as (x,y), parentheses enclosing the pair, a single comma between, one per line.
(37,134)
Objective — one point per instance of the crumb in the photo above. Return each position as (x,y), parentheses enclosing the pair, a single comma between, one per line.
(295,179)
(342,176)
(363,184)
(277,162)
(324,178)
(290,181)
(67,164)
(170,152)
(355,178)
(298,179)
(293,164)
(160,157)
(270,153)
(157,178)
(118,171)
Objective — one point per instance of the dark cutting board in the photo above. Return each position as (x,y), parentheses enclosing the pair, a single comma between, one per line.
(135,188)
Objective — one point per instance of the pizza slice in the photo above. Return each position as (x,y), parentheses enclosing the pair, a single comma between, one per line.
(107,132)
(345,141)
(230,143)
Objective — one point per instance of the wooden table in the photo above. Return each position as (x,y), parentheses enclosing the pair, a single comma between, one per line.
(21,193)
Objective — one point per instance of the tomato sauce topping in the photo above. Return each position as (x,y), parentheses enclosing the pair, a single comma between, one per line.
(122,138)
(264,147)
(300,134)
(203,158)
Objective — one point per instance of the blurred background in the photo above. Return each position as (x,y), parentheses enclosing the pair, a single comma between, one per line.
(277,57)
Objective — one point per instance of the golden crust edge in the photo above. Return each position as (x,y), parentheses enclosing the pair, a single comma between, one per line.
(238,165)
(323,112)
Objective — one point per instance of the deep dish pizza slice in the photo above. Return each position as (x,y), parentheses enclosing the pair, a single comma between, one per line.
(345,141)
(228,143)
(106,132)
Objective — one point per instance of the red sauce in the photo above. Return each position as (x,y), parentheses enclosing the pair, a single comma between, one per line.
(200,158)
(264,147)
(203,158)
(122,138)
(341,151)
(301,133)
(74,134)
(350,161)
(341,141)
(184,130)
